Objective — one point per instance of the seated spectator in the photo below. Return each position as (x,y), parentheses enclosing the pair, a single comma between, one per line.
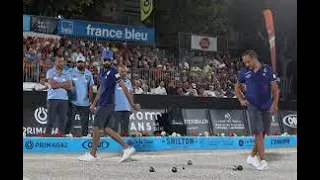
(145,88)
(219,92)
(42,86)
(160,90)
(210,92)
(230,92)
(136,88)
(172,89)
(192,91)
(202,93)
(180,92)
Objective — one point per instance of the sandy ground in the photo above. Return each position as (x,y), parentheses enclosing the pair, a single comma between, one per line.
(206,165)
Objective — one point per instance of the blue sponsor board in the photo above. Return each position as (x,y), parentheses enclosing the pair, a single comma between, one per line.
(72,145)
(106,31)
(26,23)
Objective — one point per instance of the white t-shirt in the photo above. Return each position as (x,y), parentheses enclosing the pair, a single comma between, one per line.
(160,90)
(138,90)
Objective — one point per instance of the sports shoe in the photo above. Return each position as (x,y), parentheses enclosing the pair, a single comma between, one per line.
(127,153)
(253,161)
(263,165)
(69,135)
(87,157)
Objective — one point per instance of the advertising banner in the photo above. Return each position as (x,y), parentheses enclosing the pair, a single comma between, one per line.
(35,120)
(289,121)
(106,31)
(229,121)
(144,120)
(80,145)
(203,43)
(26,23)
(197,121)
(44,25)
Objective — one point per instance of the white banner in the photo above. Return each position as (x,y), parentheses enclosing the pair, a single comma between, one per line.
(203,43)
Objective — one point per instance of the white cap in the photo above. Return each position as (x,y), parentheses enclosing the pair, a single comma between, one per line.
(80,58)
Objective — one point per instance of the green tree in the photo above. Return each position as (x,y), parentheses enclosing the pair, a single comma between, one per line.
(68,8)
(189,16)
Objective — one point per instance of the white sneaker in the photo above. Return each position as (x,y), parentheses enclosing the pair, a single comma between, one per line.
(253,161)
(87,157)
(127,153)
(69,135)
(263,165)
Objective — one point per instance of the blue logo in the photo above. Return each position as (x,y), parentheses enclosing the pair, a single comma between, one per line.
(241,142)
(66,27)
(29,145)
(106,31)
(102,145)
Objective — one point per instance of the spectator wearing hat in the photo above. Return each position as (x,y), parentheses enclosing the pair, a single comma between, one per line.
(81,96)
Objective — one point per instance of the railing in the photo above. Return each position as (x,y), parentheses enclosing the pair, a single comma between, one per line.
(33,71)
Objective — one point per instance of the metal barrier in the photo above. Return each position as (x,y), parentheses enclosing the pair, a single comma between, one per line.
(33,71)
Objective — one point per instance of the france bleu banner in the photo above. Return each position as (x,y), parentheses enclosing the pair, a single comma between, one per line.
(26,23)
(106,31)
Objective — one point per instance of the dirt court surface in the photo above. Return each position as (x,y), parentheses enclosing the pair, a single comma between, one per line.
(206,165)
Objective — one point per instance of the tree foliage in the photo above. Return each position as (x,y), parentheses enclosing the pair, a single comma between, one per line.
(206,17)
(68,8)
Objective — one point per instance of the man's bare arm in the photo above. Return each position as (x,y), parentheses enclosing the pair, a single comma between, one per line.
(96,99)
(126,92)
(275,92)
(238,90)
(91,94)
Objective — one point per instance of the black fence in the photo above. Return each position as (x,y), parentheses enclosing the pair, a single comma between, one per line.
(199,115)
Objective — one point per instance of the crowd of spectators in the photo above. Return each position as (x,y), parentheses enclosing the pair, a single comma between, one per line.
(150,72)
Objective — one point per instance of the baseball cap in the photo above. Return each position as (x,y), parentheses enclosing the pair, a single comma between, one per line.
(80,58)
(107,55)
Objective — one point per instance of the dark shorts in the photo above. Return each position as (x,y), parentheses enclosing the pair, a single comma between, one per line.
(122,118)
(104,117)
(259,120)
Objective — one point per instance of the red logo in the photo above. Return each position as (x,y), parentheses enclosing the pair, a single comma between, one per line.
(204,43)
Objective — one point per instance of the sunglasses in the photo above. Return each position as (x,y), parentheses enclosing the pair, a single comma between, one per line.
(80,62)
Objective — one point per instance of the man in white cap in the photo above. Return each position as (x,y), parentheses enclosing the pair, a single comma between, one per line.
(81,96)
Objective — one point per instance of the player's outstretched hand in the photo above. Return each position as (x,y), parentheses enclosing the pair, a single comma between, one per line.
(244,103)
(136,107)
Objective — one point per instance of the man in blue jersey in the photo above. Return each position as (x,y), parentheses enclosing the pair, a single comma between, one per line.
(81,96)
(108,77)
(261,95)
(60,83)
(122,106)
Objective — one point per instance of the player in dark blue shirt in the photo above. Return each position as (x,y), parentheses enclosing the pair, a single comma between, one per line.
(261,95)
(108,77)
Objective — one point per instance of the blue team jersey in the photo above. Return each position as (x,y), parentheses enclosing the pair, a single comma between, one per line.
(258,86)
(121,101)
(108,80)
(58,93)
(81,82)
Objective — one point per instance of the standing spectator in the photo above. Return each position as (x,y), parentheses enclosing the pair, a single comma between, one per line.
(160,89)
(81,96)
(60,83)
(122,106)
